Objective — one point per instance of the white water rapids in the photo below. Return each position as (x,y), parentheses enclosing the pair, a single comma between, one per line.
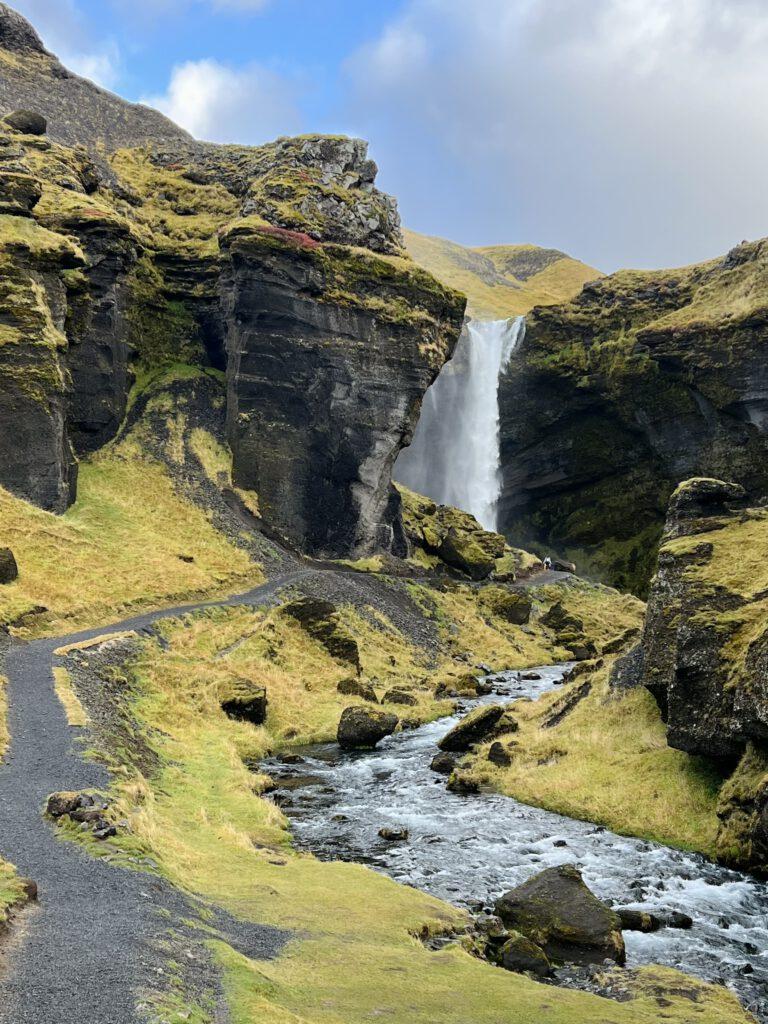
(454,456)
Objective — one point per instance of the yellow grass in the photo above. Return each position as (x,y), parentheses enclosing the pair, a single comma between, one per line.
(608,762)
(118,548)
(73,709)
(493,293)
(354,956)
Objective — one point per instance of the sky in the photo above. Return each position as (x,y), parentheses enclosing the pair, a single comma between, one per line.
(626,132)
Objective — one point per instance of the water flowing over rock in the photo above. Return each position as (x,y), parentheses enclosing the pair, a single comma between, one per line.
(454,457)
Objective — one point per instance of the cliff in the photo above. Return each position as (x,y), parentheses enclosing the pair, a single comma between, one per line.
(643,380)
(501,281)
(129,247)
(703,651)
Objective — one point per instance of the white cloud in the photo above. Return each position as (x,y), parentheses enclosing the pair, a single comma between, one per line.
(222,104)
(630,131)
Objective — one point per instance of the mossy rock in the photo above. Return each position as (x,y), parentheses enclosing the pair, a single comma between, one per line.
(557,911)
(512,606)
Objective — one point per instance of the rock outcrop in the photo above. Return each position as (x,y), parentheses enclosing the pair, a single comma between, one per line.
(77,110)
(126,246)
(611,400)
(704,651)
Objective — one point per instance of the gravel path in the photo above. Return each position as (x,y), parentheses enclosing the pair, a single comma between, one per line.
(92,946)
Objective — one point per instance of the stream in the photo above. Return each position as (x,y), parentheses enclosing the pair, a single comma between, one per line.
(467,850)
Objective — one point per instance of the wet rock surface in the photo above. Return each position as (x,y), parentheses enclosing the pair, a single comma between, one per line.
(362,728)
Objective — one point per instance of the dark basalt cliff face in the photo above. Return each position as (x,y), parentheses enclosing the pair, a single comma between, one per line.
(704,650)
(326,371)
(644,380)
(281,265)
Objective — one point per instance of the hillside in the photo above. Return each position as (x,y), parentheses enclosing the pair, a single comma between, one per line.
(501,280)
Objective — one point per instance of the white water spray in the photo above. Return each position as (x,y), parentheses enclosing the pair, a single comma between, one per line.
(454,456)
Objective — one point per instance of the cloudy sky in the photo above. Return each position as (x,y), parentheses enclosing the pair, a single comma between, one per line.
(628,132)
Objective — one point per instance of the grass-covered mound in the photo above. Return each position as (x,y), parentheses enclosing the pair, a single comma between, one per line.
(608,761)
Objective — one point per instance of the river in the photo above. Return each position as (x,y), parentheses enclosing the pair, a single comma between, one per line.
(469,849)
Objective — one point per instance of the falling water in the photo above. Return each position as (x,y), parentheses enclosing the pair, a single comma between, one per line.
(454,456)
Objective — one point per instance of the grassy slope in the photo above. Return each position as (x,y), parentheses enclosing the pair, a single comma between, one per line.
(355,955)
(494,292)
(608,762)
(117,548)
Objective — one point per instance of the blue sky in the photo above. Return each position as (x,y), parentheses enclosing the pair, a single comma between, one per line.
(627,132)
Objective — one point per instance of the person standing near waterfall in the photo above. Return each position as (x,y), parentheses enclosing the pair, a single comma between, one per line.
(547,563)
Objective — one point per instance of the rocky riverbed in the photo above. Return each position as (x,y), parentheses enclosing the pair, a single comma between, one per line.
(469,849)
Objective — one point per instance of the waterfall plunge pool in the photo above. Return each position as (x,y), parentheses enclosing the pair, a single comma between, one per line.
(467,850)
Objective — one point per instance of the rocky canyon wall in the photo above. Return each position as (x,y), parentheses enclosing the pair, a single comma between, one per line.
(643,380)
(129,247)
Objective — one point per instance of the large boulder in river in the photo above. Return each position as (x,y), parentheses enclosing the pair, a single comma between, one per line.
(473,728)
(557,911)
(361,728)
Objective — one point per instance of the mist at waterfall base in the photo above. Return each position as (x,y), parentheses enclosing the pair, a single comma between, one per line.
(454,456)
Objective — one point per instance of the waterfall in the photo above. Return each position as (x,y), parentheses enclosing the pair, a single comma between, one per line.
(454,456)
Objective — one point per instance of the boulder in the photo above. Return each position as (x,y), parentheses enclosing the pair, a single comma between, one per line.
(397,696)
(463,784)
(465,685)
(557,911)
(561,620)
(362,728)
(247,707)
(9,570)
(357,688)
(59,804)
(499,755)
(28,122)
(463,552)
(394,835)
(443,763)
(320,619)
(638,920)
(521,955)
(560,565)
(473,728)
(513,606)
